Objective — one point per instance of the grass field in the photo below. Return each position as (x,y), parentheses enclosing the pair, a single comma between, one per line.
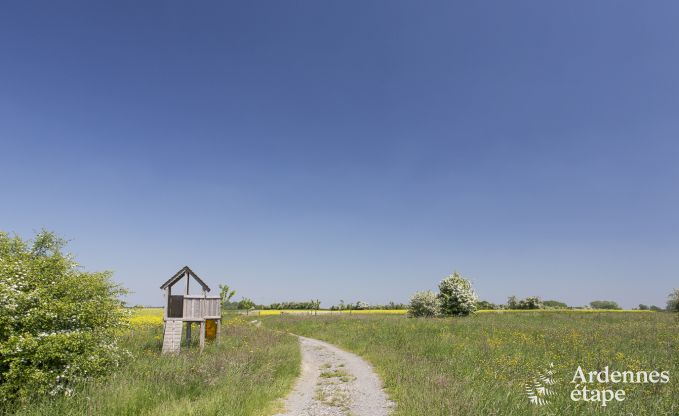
(271,312)
(480,365)
(243,375)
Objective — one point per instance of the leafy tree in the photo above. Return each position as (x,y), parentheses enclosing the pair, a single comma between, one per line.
(643,307)
(554,304)
(58,323)
(673,301)
(457,296)
(512,303)
(226,294)
(531,302)
(656,308)
(424,304)
(604,304)
(246,303)
(360,305)
(485,305)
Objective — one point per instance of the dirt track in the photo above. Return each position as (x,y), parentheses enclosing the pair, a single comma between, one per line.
(334,382)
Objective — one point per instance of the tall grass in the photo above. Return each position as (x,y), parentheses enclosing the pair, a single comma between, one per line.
(480,365)
(242,375)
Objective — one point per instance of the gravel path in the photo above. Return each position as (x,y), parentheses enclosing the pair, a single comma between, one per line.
(334,382)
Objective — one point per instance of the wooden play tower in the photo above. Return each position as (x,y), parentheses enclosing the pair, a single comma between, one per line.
(188,309)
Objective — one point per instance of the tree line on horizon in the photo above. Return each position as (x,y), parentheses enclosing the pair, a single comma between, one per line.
(535,302)
(513,303)
(314,304)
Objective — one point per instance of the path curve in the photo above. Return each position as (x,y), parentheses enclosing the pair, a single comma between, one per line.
(334,382)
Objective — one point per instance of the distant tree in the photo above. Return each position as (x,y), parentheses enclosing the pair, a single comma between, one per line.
(360,305)
(226,294)
(393,306)
(656,308)
(457,296)
(555,304)
(512,303)
(604,304)
(246,304)
(643,307)
(424,305)
(531,302)
(484,305)
(673,301)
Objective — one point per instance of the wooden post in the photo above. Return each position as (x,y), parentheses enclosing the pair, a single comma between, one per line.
(202,335)
(219,329)
(188,333)
(188,279)
(168,293)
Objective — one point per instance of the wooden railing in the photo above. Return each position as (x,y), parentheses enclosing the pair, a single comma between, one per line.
(199,307)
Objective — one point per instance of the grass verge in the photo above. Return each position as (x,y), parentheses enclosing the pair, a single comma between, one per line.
(242,375)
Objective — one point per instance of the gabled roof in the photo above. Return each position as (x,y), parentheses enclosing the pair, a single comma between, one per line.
(180,274)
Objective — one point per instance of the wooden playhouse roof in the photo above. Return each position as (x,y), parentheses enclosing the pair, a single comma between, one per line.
(180,274)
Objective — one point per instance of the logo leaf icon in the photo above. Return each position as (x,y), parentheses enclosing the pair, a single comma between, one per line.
(536,389)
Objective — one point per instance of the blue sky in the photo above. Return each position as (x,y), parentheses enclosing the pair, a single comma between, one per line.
(354,150)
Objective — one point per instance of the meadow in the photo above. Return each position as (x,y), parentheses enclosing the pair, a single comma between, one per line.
(480,365)
(242,375)
(272,312)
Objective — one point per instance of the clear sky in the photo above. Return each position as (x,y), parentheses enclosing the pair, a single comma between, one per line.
(353,150)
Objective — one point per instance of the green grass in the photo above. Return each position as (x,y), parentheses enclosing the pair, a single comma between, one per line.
(242,375)
(479,365)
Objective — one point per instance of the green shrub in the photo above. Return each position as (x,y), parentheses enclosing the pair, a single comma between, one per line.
(485,305)
(554,304)
(604,304)
(58,324)
(424,305)
(457,296)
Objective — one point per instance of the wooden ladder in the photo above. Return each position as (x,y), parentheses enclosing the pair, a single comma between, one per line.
(172,337)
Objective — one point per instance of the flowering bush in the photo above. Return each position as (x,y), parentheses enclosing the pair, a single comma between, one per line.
(58,324)
(457,296)
(424,304)
(360,305)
